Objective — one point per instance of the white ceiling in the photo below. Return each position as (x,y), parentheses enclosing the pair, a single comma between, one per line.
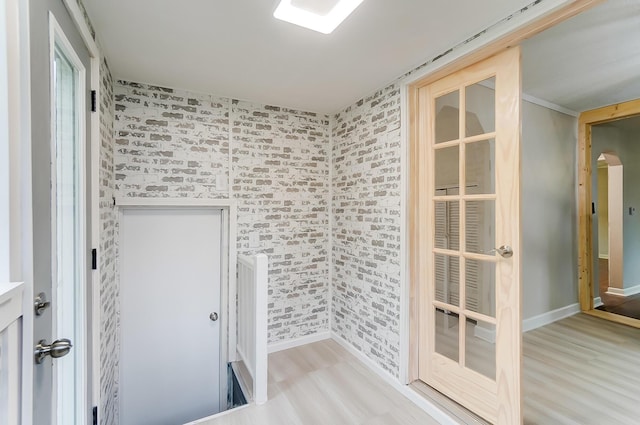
(589,61)
(236,48)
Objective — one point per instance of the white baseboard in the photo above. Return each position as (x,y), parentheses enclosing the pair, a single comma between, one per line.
(485,334)
(296,342)
(625,292)
(597,302)
(549,317)
(430,408)
(603,256)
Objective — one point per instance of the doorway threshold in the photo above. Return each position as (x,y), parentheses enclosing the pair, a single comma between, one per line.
(456,411)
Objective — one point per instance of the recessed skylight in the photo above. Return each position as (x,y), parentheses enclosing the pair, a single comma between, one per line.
(318,15)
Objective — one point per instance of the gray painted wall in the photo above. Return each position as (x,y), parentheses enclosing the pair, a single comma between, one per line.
(549,214)
(626,144)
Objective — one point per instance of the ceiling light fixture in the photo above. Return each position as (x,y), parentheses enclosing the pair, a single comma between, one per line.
(324,23)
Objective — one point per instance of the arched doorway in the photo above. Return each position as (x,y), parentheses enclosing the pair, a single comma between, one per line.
(609,206)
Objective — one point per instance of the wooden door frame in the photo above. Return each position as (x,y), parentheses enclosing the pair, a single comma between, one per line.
(585,219)
(496,399)
(414,269)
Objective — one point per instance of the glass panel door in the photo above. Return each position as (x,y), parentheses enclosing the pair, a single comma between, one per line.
(470,331)
(68,225)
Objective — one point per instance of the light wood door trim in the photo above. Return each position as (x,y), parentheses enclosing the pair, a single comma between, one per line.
(499,401)
(513,39)
(586,120)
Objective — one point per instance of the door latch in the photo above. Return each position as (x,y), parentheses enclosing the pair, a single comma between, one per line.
(41,303)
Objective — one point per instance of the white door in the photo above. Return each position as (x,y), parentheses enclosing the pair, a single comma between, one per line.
(470,306)
(60,88)
(170,269)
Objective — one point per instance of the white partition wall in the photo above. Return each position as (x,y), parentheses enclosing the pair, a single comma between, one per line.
(252,320)
(10,354)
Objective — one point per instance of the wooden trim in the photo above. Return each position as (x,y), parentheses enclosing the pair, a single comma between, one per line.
(610,113)
(586,120)
(497,400)
(413,227)
(417,266)
(612,317)
(413,84)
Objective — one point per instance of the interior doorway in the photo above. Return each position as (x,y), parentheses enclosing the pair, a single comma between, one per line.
(615,246)
(172,357)
(609,240)
(606,140)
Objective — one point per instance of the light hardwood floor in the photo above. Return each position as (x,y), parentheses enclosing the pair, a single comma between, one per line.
(323,384)
(582,370)
(578,371)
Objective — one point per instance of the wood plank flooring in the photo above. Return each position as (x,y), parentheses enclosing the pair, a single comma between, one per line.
(578,371)
(323,384)
(582,370)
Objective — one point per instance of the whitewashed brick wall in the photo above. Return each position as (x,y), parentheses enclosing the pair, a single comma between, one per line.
(365,258)
(366,226)
(176,143)
(108,411)
(170,143)
(109,289)
(281,180)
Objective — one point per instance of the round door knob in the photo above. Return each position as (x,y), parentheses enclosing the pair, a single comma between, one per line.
(213,316)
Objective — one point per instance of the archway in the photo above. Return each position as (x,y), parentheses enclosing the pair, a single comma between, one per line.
(610,228)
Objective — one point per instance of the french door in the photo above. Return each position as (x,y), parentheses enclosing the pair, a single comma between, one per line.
(60,90)
(468,130)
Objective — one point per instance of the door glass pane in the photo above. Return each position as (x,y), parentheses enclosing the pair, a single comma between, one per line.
(448,117)
(447,217)
(480,348)
(480,226)
(447,164)
(447,340)
(480,278)
(68,233)
(479,167)
(480,104)
(447,279)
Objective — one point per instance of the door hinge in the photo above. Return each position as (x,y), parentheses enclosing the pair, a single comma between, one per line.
(94,106)
(94,259)
(95,415)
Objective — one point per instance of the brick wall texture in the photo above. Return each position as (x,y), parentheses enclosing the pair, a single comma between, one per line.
(366,226)
(281,181)
(109,289)
(274,161)
(278,162)
(108,411)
